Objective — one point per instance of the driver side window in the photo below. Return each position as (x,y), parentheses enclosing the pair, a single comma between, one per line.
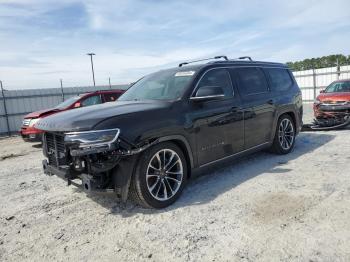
(219,78)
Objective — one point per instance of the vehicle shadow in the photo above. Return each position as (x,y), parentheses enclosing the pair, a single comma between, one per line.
(224,176)
(38,145)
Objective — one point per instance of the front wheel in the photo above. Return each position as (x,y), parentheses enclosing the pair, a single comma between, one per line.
(160,176)
(284,139)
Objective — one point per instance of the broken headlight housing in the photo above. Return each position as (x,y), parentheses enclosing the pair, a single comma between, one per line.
(95,138)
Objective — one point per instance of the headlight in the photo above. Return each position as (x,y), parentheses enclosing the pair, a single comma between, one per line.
(94,138)
(33,121)
(317,101)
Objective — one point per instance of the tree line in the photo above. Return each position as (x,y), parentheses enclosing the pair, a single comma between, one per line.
(320,62)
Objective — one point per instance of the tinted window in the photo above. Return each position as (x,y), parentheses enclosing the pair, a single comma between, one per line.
(111,97)
(280,79)
(92,100)
(252,81)
(217,77)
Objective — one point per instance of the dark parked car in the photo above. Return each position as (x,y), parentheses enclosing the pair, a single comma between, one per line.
(31,134)
(172,122)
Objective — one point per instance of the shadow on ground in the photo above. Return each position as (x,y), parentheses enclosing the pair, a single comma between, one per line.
(224,176)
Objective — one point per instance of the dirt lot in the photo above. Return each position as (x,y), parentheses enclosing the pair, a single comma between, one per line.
(263,207)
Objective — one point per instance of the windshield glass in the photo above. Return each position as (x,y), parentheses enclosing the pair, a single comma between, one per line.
(68,102)
(163,85)
(338,87)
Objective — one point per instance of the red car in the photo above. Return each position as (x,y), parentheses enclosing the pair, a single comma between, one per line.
(332,106)
(31,134)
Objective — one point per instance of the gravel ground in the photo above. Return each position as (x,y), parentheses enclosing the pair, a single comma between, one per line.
(261,208)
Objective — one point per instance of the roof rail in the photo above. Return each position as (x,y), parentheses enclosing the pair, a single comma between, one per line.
(245,57)
(194,61)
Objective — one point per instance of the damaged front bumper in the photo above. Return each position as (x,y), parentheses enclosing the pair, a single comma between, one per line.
(331,116)
(87,182)
(93,169)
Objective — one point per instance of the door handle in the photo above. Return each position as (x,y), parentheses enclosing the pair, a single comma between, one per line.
(271,102)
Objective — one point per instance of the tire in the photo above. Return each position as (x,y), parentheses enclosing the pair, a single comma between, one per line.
(159,177)
(284,140)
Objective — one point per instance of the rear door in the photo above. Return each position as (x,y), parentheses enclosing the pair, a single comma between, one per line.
(258,105)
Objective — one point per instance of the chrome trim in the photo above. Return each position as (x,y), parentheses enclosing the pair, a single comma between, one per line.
(194,98)
(238,153)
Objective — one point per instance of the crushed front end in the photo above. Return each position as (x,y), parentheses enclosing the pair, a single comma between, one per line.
(331,114)
(96,161)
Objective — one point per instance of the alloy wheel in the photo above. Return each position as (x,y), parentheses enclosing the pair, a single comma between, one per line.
(286,134)
(164,174)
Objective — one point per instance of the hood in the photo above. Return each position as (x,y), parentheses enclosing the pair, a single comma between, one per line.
(42,113)
(86,118)
(334,97)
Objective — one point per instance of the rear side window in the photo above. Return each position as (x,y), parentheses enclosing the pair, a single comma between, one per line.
(218,77)
(111,97)
(280,79)
(92,100)
(252,81)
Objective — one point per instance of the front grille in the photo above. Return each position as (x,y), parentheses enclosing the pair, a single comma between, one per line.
(26,121)
(334,102)
(56,151)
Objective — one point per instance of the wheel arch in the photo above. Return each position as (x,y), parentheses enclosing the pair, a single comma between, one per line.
(184,145)
(288,111)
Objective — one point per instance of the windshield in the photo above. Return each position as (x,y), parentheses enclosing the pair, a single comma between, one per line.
(163,85)
(338,87)
(68,102)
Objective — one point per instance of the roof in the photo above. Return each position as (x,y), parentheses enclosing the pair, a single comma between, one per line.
(196,67)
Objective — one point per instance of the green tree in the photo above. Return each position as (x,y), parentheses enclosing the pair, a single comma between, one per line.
(319,62)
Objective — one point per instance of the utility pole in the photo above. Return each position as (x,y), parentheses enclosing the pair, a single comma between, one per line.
(109,80)
(62,90)
(92,67)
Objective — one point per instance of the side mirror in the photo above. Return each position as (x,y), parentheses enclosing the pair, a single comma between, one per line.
(322,91)
(206,93)
(77,104)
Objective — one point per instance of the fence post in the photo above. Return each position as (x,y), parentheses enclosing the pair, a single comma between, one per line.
(338,69)
(5,109)
(314,81)
(62,90)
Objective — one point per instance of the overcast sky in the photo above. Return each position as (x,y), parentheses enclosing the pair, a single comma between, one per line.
(42,41)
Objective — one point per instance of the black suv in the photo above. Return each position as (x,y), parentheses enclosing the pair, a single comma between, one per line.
(169,123)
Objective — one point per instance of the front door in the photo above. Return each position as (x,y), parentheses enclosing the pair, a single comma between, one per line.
(218,124)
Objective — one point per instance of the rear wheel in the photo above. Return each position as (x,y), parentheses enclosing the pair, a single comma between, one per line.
(160,176)
(284,139)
